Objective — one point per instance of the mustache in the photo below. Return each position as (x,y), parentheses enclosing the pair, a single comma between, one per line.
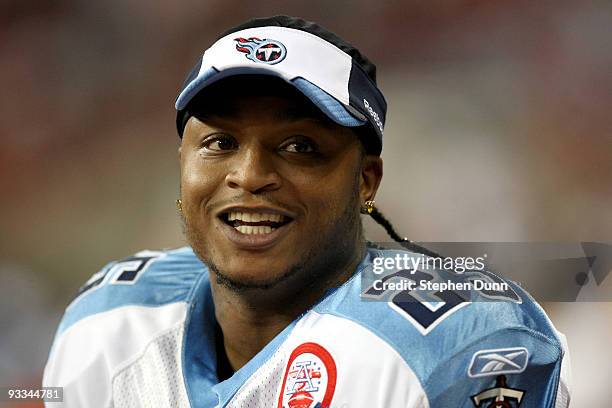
(265,200)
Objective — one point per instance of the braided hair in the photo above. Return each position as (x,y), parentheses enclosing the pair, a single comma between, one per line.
(405,242)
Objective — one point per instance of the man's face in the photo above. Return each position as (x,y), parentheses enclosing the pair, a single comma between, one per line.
(270,194)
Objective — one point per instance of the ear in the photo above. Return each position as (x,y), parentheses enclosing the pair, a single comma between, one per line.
(371,175)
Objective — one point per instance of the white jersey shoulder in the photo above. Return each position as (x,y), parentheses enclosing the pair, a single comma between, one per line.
(127,320)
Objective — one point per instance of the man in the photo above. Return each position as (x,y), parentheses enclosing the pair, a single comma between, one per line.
(281,126)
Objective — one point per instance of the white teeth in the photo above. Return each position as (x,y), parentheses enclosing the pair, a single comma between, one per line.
(261,229)
(254,217)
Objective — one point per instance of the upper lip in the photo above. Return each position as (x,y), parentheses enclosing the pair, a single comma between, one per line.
(256,209)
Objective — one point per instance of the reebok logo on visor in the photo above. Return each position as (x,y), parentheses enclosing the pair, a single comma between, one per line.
(373,114)
(266,51)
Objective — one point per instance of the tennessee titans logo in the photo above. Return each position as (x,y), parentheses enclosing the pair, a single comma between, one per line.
(500,396)
(266,51)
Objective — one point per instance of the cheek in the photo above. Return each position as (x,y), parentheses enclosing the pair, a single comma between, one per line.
(198,183)
(327,196)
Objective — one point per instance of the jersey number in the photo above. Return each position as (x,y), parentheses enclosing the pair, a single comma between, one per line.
(123,272)
(424,313)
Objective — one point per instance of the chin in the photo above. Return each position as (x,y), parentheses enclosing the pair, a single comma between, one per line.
(240,272)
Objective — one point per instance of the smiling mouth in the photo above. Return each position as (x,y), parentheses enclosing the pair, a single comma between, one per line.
(250,223)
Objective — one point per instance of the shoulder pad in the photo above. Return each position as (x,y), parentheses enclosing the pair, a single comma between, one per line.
(147,278)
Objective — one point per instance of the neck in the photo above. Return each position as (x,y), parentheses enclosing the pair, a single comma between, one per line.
(251,318)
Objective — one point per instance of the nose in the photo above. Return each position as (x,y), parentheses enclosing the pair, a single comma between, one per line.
(253,170)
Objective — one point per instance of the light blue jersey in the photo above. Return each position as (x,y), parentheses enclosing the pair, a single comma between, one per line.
(142,334)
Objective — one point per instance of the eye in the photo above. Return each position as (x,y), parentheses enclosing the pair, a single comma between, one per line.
(299,145)
(220,143)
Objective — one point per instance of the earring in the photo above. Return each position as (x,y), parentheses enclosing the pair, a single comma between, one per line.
(179,204)
(368,207)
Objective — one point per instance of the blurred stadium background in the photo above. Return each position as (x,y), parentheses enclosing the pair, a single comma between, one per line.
(499,129)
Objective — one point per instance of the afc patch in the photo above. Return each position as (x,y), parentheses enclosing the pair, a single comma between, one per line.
(267,51)
(310,378)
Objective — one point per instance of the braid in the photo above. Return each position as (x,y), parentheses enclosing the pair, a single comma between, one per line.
(386,224)
(405,242)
